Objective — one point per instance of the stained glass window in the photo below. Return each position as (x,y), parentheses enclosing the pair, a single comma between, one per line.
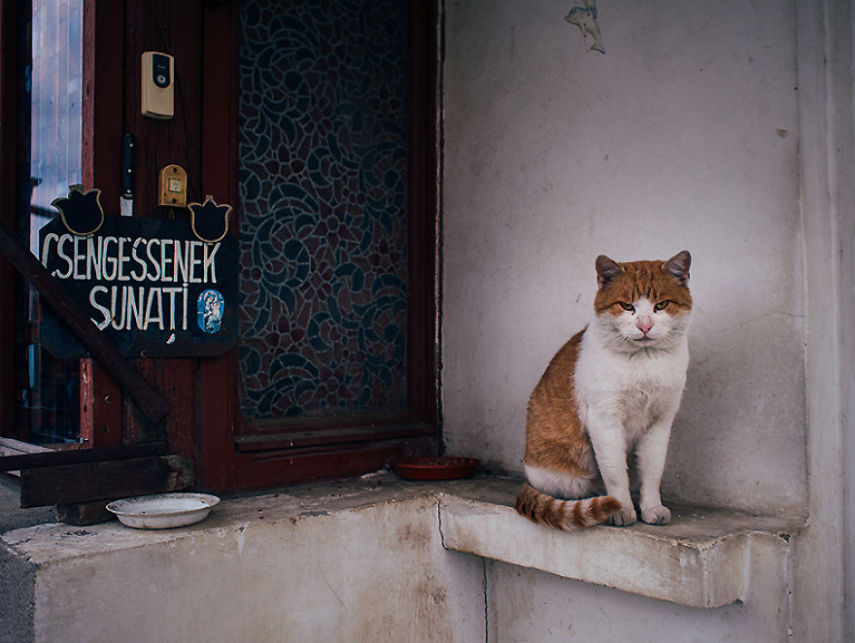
(323,159)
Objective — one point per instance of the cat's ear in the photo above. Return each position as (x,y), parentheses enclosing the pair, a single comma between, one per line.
(607,270)
(678,267)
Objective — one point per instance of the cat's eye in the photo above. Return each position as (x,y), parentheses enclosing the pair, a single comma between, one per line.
(662,305)
(626,306)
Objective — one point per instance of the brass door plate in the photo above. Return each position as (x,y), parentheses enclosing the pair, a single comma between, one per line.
(173,186)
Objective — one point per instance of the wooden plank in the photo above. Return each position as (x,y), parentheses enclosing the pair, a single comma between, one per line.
(147,398)
(177,379)
(51,458)
(89,481)
(100,406)
(10,446)
(261,469)
(217,411)
(338,420)
(101,398)
(218,376)
(301,439)
(174,28)
(103,99)
(423,207)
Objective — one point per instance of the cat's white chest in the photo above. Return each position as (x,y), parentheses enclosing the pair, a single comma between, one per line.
(633,391)
(638,408)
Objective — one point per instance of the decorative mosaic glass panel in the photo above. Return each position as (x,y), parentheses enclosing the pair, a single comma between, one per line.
(323,158)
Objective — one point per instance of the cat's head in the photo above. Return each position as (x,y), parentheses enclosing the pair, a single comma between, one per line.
(643,305)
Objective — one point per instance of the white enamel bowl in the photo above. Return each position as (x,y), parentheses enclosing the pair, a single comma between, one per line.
(163,511)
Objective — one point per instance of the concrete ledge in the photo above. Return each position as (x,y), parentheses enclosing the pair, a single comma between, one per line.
(702,559)
(53,542)
(330,562)
(340,554)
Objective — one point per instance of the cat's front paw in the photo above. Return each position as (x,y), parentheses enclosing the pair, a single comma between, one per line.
(623,518)
(656,515)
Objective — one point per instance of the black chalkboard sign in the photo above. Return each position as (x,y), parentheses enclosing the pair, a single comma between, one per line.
(153,286)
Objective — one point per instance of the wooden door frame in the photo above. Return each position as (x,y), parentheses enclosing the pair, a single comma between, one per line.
(204,391)
(101,414)
(276,457)
(218,376)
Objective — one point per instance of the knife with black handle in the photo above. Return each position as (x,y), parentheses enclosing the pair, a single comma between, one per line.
(126,201)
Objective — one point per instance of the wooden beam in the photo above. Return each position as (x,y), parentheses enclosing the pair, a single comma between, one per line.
(148,399)
(104,32)
(51,458)
(10,446)
(218,407)
(110,479)
(309,438)
(261,469)
(101,406)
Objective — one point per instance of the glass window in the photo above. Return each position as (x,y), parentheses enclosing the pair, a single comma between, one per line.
(47,388)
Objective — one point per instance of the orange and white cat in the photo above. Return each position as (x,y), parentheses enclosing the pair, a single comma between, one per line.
(612,390)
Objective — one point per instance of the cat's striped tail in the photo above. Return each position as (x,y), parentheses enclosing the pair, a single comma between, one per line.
(564,514)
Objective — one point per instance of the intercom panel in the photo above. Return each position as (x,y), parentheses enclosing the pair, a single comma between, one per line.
(158,85)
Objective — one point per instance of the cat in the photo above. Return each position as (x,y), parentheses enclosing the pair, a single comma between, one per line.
(614,386)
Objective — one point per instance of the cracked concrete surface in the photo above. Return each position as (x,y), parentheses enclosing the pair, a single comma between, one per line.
(335,559)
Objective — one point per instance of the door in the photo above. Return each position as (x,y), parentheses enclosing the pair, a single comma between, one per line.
(323,116)
(336,156)
(317,121)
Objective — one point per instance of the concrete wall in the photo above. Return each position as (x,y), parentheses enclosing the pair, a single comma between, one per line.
(17,576)
(527,606)
(825,560)
(333,565)
(683,135)
(724,128)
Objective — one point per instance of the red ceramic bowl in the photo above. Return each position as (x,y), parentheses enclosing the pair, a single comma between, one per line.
(435,468)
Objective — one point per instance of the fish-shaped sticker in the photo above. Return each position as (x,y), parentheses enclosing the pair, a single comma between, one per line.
(586,19)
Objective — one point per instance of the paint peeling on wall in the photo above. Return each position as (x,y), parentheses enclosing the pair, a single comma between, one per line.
(586,19)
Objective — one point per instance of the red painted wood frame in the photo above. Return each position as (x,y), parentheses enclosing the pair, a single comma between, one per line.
(115,35)
(205,423)
(101,398)
(281,451)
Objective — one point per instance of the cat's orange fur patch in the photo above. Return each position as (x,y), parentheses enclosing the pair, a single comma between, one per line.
(637,279)
(554,439)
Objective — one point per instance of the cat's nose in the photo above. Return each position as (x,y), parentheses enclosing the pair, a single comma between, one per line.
(644,324)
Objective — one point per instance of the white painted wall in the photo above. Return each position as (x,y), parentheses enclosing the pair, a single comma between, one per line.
(825,560)
(683,135)
(725,128)
(528,606)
